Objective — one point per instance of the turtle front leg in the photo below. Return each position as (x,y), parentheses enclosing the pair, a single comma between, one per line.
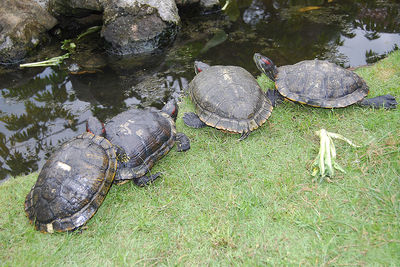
(274,96)
(182,142)
(146,180)
(385,101)
(192,120)
(244,135)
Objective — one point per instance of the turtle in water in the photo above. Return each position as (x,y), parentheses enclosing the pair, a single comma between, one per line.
(72,184)
(227,98)
(319,83)
(141,137)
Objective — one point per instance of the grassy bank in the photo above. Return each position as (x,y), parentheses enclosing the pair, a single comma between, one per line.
(251,202)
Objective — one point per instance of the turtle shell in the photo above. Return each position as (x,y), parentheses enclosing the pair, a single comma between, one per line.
(72,184)
(229,98)
(320,83)
(142,137)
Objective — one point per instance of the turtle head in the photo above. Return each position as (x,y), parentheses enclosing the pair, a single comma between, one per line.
(200,66)
(171,108)
(96,127)
(265,65)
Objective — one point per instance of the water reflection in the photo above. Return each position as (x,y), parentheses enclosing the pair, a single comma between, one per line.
(41,108)
(31,113)
(368,51)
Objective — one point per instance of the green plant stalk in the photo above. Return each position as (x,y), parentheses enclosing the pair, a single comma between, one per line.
(325,163)
(226,5)
(329,157)
(50,62)
(89,31)
(322,155)
(341,137)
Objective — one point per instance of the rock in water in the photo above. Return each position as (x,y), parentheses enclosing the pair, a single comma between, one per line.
(142,27)
(23,27)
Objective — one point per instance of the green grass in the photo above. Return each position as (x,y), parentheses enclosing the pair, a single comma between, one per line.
(226,202)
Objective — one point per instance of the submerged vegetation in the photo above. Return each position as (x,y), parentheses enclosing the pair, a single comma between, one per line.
(253,202)
(67,45)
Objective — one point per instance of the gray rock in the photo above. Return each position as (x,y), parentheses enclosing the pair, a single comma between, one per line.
(129,26)
(76,8)
(23,26)
(204,4)
(139,26)
(43,3)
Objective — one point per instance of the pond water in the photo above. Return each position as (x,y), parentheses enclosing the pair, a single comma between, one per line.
(43,107)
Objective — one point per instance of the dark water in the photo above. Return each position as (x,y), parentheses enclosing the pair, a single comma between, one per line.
(43,107)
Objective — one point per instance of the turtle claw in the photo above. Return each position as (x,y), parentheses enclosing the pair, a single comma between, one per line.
(192,120)
(146,180)
(182,142)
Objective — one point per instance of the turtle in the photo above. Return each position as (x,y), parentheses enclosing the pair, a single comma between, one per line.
(319,83)
(141,137)
(227,98)
(72,184)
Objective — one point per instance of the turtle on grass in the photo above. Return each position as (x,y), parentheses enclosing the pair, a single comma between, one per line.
(72,184)
(141,137)
(227,98)
(319,83)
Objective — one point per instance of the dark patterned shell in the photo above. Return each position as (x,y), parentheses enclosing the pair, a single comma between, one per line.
(142,137)
(72,184)
(229,98)
(321,84)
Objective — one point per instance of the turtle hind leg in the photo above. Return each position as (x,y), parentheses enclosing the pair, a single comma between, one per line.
(274,96)
(385,101)
(244,135)
(146,180)
(182,142)
(192,120)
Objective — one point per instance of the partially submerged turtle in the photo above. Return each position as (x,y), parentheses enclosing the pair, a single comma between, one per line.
(141,137)
(227,98)
(319,83)
(87,63)
(72,184)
